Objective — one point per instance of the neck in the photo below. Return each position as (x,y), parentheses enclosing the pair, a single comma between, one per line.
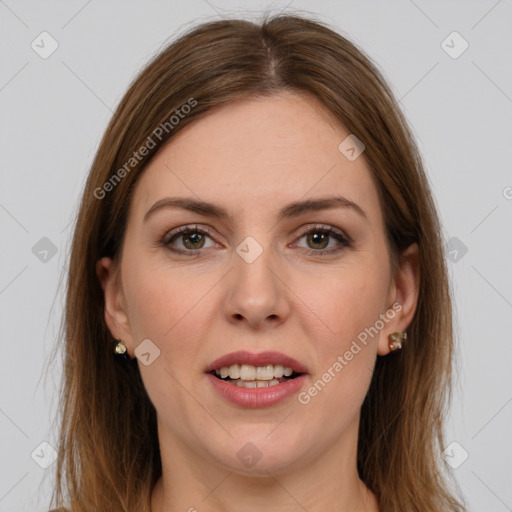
(328,482)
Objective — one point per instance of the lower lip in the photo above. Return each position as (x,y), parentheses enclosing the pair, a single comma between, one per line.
(255,398)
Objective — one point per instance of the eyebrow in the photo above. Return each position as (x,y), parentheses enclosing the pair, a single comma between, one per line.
(289,211)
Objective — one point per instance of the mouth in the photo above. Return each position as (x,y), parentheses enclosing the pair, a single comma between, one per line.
(247,370)
(249,376)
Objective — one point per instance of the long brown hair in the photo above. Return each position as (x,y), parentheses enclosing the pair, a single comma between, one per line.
(108,456)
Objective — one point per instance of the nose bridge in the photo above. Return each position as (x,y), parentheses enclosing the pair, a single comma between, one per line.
(254,250)
(254,261)
(256,290)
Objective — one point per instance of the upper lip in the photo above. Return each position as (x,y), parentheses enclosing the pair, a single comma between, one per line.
(260,359)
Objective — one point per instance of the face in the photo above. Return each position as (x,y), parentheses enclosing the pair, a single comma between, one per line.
(306,284)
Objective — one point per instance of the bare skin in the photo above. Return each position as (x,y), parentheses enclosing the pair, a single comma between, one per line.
(252,158)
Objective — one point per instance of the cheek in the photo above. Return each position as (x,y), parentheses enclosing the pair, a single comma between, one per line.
(350,305)
(345,303)
(162,299)
(172,308)
(165,305)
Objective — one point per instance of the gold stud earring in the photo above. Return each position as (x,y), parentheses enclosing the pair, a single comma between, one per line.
(395,340)
(121,350)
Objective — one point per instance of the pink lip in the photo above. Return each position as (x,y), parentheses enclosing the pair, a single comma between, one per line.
(254,398)
(261,359)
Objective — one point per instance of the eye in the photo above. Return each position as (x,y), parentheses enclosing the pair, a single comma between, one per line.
(192,238)
(318,237)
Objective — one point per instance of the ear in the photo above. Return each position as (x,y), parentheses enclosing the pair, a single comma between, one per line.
(402,297)
(115,313)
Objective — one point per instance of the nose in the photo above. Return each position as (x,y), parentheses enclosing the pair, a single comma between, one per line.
(256,291)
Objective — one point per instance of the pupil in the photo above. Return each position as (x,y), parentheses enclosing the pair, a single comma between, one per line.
(322,236)
(194,237)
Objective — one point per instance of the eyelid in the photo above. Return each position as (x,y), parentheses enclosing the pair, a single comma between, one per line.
(323,227)
(184,229)
(302,230)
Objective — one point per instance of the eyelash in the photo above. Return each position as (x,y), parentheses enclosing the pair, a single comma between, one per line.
(338,235)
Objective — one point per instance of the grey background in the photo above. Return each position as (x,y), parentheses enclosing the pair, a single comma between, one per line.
(54,111)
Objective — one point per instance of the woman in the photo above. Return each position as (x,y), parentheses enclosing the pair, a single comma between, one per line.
(258,314)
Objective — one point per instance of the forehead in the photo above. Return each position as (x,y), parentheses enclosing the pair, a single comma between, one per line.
(258,155)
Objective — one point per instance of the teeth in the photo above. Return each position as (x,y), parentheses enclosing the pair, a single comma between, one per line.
(254,383)
(278,371)
(248,372)
(234,371)
(265,372)
(249,384)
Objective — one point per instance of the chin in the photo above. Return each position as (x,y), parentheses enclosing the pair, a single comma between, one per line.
(256,456)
